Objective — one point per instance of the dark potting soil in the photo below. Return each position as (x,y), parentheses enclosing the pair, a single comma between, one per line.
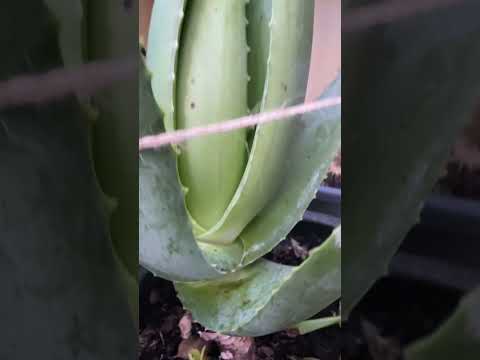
(460,181)
(161,312)
(462,172)
(394,313)
(294,249)
(334,176)
(160,338)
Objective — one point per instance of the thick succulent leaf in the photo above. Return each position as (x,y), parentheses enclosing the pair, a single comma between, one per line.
(290,33)
(458,338)
(257,300)
(167,246)
(197,355)
(309,326)
(62,294)
(55,234)
(224,258)
(113,34)
(405,109)
(316,141)
(70,17)
(130,286)
(163,43)
(212,87)
(259,14)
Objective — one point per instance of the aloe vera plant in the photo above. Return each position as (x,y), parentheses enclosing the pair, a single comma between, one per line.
(388,180)
(115,129)
(420,95)
(85,34)
(64,285)
(212,207)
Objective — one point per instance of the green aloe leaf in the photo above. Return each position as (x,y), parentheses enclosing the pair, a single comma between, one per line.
(316,141)
(162,52)
(167,246)
(259,14)
(113,34)
(257,300)
(312,139)
(309,326)
(197,355)
(405,110)
(62,291)
(213,56)
(458,338)
(290,32)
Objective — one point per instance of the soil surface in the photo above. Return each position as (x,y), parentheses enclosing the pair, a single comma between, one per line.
(394,313)
(161,314)
(460,181)
(462,173)
(160,334)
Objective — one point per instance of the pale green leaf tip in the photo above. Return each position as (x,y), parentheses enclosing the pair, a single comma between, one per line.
(309,326)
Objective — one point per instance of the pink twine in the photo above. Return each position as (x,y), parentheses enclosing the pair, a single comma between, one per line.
(176,137)
(90,78)
(83,80)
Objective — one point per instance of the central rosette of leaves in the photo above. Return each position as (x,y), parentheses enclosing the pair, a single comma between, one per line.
(222,58)
(213,86)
